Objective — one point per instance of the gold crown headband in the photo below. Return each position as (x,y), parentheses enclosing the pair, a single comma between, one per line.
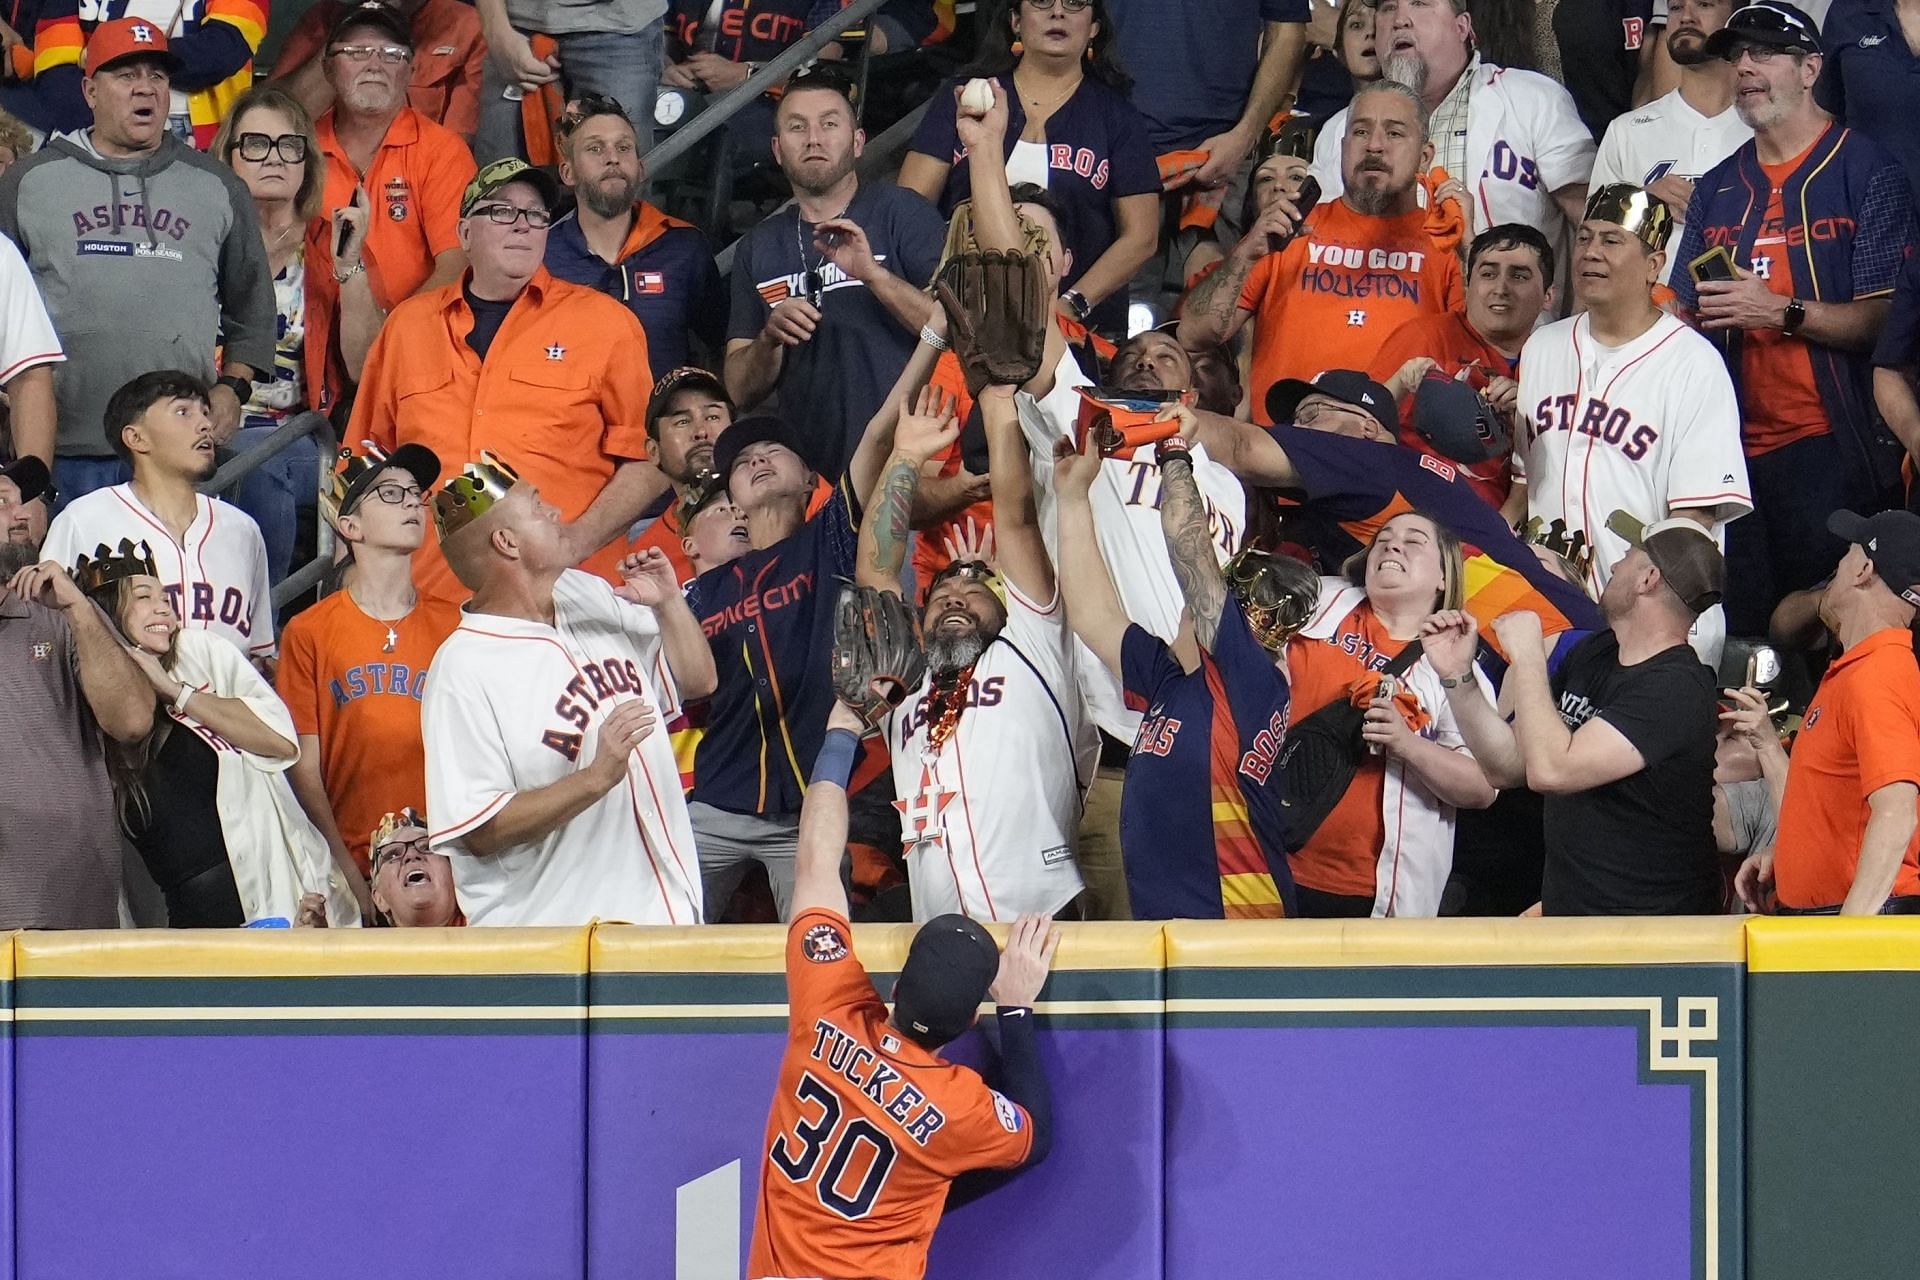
(392,822)
(1645,217)
(1572,547)
(480,485)
(349,467)
(110,565)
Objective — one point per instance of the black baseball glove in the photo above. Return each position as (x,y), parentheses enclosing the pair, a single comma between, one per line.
(877,660)
(997,309)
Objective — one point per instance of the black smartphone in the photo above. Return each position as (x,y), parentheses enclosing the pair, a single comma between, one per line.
(341,230)
(1309,197)
(1715,264)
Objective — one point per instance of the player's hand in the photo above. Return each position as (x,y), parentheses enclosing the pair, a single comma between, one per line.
(223,407)
(1074,472)
(621,733)
(312,913)
(1675,192)
(1384,727)
(968,542)
(1503,394)
(1754,882)
(1407,377)
(513,53)
(647,578)
(843,243)
(1024,962)
(715,73)
(927,427)
(1282,218)
(1750,717)
(988,132)
(1745,303)
(792,322)
(49,583)
(350,230)
(1519,635)
(1449,639)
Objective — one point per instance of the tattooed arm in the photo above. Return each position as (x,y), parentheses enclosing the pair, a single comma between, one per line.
(1211,312)
(1183,519)
(923,430)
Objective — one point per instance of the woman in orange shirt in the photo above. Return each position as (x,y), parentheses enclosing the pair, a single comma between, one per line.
(1387,846)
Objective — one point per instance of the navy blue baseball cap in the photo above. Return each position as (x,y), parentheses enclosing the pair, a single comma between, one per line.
(1772,25)
(1891,540)
(1345,385)
(949,968)
(29,476)
(758,428)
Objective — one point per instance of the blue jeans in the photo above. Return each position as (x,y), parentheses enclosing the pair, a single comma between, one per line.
(623,65)
(274,493)
(76,477)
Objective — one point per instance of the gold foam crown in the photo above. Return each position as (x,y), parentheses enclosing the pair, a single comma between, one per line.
(348,467)
(472,493)
(109,565)
(1646,217)
(392,822)
(1572,547)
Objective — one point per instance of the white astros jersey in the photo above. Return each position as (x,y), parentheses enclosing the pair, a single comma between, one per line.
(1666,139)
(988,820)
(1126,522)
(26,332)
(216,578)
(513,705)
(1651,428)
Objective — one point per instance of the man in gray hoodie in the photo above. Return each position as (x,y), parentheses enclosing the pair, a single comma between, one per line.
(147,253)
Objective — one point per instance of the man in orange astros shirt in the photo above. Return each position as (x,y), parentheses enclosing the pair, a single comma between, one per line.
(448,56)
(511,359)
(1361,266)
(394,171)
(1848,823)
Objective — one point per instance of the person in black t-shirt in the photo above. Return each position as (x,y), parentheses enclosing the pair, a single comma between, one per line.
(1619,740)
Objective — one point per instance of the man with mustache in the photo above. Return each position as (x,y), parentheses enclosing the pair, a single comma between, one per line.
(688,411)
(1817,219)
(1327,293)
(1667,144)
(660,267)
(1512,137)
(24,483)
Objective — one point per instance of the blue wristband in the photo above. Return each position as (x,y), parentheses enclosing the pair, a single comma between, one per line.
(835,762)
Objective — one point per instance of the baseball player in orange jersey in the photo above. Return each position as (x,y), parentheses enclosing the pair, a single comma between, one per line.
(870,1126)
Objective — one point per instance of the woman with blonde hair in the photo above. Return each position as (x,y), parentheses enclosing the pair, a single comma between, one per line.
(204,797)
(1385,847)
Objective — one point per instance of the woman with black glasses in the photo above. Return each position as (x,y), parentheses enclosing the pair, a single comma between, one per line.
(268,141)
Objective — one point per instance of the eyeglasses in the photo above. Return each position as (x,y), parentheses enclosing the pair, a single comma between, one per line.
(1761,53)
(584,108)
(257,146)
(391,54)
(395,494)
(1045,6)
(393,849)
(506,215)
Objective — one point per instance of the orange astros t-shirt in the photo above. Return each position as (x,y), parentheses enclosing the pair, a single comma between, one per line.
(1329,299)
(360,694)
(1780,401)
(1861,732)
(1344,852)
(867,1128)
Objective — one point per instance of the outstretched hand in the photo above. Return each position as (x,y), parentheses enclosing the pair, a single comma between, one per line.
(1025,961)
(927,427)
(647,578)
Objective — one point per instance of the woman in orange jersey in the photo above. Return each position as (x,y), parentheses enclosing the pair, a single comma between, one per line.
(870,1126)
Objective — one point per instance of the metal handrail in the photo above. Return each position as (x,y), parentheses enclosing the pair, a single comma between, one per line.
(729,104)
(242,465)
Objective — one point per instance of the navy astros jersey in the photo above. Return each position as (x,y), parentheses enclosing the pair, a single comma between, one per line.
(768,618)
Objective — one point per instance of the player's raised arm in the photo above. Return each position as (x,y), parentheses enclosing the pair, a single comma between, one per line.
(650,581)
(1093,605)
(925,428)
(1183,522)
(1021,551)
(876,442)
(823,817)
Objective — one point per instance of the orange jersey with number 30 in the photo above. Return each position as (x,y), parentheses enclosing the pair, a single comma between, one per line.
(867,1128)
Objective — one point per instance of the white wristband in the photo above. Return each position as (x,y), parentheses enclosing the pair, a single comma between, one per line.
(180,698)
(934,340)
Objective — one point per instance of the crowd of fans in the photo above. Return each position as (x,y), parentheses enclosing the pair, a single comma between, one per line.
(1467,471)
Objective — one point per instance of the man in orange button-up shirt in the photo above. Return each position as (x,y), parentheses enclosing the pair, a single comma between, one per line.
(401,173)
(551,376)
(448,55)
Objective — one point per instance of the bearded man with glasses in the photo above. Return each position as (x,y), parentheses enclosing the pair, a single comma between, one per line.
(353,667)
(388,214)
(513,360)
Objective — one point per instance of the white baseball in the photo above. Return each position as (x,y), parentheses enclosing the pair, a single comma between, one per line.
(977,98)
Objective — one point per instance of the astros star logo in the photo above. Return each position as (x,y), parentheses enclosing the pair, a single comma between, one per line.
(1356,317)
(556,352)
(925,812)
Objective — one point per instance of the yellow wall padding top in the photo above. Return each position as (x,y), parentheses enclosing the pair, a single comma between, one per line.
(1783,944)
(1319,944)
(881,947)
(298,953)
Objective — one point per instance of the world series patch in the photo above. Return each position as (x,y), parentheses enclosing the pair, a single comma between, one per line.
(823,944)
(1004,1111)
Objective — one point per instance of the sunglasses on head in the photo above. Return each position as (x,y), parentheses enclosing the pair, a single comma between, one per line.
(584,108)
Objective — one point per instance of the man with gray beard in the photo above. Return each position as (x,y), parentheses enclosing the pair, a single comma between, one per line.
(661,268)
(1513,138)
(1329,284)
